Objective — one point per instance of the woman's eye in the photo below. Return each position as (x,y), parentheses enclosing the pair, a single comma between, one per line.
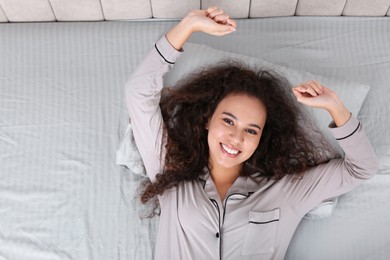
(228,121)
(251,131)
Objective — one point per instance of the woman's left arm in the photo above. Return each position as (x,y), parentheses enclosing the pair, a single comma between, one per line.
(339,175)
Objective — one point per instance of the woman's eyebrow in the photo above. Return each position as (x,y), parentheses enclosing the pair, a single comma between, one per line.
(230,114)
(235,118)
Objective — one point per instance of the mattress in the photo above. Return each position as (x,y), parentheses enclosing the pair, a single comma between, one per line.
(63,114)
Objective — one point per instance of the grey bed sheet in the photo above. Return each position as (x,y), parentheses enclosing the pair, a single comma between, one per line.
(63,113)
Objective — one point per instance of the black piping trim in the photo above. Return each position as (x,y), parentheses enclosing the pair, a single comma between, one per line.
(219,227)
(350,133)
(255,222)
(203,181)
(224,204)
(170,62)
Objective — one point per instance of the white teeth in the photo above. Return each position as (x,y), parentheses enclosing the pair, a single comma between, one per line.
(229,151)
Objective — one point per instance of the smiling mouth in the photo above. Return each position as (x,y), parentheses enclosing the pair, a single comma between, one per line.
(229,151)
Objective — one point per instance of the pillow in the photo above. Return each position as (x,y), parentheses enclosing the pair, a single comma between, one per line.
(198,55)
(323,210)
(127,153)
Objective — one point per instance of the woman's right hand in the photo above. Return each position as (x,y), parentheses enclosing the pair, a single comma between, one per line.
(212,21)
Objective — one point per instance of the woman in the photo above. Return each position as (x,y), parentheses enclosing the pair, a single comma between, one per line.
(233,170)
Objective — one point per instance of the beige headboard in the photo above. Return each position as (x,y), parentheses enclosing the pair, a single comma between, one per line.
(100,10)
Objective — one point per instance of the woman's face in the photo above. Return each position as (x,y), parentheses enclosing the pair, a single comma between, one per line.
(234,130)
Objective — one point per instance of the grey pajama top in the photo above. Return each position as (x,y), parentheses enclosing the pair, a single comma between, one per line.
(256,220)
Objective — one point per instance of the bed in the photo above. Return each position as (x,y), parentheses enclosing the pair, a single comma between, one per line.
(63,117)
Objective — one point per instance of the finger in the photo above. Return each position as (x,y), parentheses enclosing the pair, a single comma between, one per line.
(299,96)
(223,29)
(311,88)
(232,22)
(317,87)
(215,13)
(303,98)
(221,18)
(306,88)
(211,9)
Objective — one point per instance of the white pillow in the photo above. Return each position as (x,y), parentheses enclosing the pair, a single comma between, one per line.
(127,153)
(323,210)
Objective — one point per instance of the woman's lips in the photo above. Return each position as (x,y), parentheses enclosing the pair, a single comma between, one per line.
(229,151)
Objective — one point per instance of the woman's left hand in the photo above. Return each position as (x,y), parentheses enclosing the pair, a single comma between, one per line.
(313,94)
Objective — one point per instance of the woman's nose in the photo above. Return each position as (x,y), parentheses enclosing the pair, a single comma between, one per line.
(236,137)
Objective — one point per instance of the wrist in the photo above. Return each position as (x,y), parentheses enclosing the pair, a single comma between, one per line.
(339,112)
(179,34)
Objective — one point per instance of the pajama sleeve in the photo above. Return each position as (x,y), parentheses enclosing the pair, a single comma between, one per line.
(338,176)
(143,92)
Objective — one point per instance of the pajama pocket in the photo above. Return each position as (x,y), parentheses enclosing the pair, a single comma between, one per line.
(261,232)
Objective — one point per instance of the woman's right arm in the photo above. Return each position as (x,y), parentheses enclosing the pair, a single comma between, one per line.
(144,86)
(142,97)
